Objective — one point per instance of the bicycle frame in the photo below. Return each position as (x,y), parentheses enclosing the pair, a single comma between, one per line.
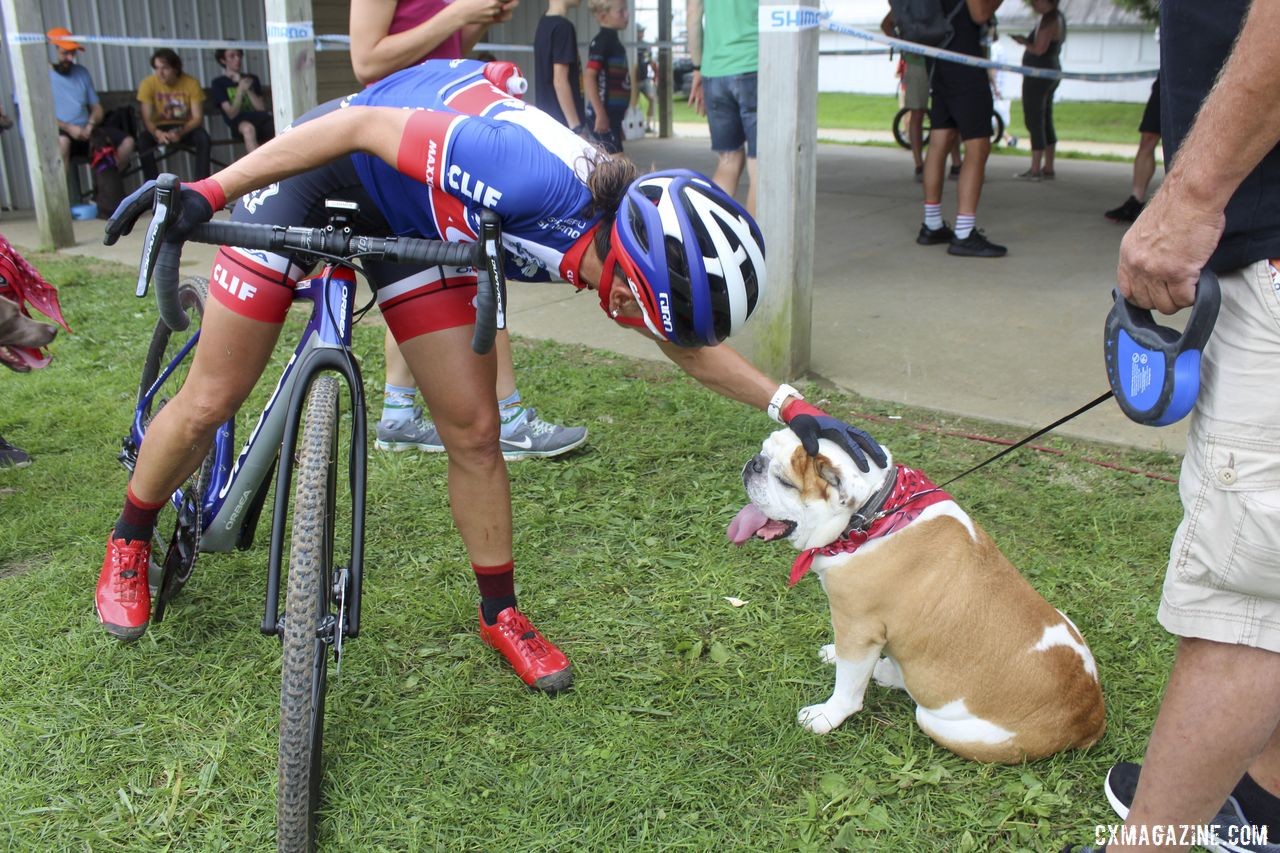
(238,484)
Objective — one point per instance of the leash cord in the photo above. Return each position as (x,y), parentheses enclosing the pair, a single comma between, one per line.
(1059,422)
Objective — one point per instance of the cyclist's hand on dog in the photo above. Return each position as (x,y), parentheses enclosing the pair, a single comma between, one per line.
(810,423)
(195,205)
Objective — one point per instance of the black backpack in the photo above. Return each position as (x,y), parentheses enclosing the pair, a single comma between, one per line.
(924,21)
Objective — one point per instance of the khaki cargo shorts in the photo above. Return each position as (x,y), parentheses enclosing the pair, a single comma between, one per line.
(1223,581)
(915,82)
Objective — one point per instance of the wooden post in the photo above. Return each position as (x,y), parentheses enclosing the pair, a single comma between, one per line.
(291,50)
(38,125)
(786,137)
(662,85)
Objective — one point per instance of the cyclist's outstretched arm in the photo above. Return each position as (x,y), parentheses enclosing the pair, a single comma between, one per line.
(724,371)
(374,130)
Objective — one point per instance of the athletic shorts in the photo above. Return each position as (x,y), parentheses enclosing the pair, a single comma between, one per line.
(1223,581)
(1151,115)
(262,122)
(915,85)
(731,112)
(967,110)
(80,147)
(414,299)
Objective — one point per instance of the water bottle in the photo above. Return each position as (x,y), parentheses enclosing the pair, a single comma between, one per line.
(507,77)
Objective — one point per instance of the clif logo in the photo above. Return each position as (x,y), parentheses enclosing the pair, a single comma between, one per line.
(233,284)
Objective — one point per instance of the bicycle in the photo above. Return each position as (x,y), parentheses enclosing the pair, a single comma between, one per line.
(218,508)
(903,138)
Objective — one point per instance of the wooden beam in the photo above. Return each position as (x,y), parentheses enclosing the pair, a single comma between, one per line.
(291,50)
(787,103)
(38,125)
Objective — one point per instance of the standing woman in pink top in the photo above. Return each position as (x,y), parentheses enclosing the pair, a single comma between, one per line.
(387,36)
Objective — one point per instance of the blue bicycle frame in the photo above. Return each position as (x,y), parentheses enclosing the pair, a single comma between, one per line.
(233,497)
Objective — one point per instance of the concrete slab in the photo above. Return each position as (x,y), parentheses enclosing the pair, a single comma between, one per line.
(1014,340)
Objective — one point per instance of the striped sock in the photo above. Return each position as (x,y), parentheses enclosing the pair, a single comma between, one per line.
(137,520)
(964,224)
(397,403)
(511,413)
(932,216)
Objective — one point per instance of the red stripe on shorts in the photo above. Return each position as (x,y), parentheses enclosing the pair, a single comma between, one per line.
(424,312)
(249,289)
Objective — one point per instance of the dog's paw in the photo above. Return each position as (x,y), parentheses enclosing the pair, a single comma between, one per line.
(827,654)
(888,674)
(824,717)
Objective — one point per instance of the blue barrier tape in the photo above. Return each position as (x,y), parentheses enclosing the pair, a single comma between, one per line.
(978,62)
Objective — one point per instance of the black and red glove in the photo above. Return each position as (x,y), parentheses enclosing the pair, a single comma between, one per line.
(810,423)
(195,205)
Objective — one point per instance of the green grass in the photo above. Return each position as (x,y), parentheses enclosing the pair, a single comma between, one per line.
(680,732)
(1078,121)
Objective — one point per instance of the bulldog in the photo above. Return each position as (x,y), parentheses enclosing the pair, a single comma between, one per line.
(922,600)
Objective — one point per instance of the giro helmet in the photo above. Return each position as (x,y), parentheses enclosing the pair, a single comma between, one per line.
(692,256)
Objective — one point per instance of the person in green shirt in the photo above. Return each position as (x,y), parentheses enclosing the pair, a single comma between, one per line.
(724,85)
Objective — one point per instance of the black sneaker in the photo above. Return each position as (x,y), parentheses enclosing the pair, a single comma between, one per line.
(976,245)
(1126,212)
(933,236)
(12,457)
(1122,783)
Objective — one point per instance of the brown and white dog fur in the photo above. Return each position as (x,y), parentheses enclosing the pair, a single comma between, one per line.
(935,609)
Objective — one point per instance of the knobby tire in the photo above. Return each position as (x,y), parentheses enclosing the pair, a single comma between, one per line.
(304,674)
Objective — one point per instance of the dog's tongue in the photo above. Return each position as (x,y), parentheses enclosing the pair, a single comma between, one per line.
(750,521)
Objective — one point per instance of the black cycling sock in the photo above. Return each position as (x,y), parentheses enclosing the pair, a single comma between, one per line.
(491,607)
(1261,807)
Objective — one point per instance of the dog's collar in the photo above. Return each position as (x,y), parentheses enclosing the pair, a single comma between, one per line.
(894,505)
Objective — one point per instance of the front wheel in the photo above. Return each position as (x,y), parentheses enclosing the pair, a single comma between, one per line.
(309,623)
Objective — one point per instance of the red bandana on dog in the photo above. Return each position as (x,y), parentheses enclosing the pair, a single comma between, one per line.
(912,492)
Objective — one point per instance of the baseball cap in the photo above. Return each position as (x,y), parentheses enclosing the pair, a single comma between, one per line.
(60,37)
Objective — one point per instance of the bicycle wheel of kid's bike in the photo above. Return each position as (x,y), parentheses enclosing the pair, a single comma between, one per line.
(901,129)
(304,672)
(176,539)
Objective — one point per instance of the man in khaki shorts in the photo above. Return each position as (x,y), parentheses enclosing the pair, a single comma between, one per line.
(1214,753)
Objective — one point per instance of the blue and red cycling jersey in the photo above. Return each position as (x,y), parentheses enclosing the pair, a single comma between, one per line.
(471,146)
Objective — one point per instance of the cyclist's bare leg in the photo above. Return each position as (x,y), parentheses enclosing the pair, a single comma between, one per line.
(753,174)
(398,372)
(458,387)
(232,354)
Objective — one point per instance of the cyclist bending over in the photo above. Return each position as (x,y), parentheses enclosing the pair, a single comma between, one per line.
(423,152)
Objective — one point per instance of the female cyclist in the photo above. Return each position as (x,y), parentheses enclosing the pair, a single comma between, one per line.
(422,152)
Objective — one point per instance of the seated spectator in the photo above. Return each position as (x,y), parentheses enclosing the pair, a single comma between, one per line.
(239,95)
(172,106)
(81,132)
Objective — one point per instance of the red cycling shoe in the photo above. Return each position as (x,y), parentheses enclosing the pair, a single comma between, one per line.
(122,598)
(535,660)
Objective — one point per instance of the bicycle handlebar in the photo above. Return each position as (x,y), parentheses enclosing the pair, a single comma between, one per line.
(486,255)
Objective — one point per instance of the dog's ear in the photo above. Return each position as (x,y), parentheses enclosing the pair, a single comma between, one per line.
(833,476)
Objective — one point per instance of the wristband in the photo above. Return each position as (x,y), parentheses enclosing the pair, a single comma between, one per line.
(775,404)
(211,191)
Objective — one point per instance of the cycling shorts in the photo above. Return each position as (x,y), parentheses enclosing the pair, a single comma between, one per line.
(415,299)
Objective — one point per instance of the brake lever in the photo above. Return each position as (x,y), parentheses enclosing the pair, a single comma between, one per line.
(162,212)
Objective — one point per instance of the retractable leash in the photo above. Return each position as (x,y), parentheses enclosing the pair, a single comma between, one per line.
(1154,370)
